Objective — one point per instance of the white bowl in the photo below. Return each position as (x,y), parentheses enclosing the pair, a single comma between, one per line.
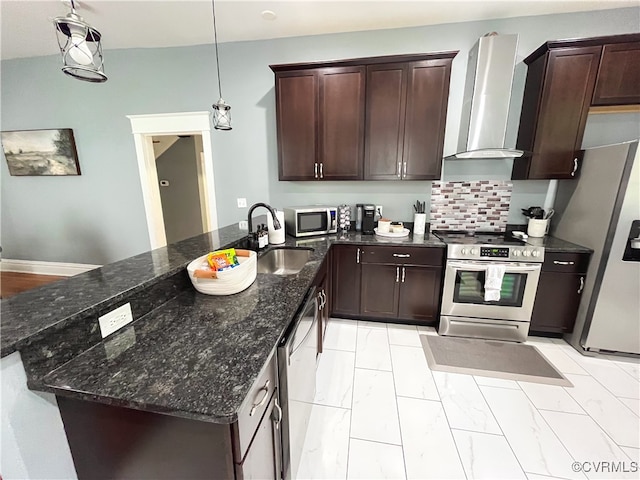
(229,281)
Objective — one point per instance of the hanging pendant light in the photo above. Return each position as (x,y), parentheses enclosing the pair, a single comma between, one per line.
(221,110)
(80,47)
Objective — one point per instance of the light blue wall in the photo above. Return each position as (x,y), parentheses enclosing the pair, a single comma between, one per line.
(99,216)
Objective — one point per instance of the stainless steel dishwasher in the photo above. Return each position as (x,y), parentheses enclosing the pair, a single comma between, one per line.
(297,378)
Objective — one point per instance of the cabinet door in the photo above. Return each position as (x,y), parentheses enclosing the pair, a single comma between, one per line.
(427,98)
(619,75)
(420,293)
(386,103)
(262,461)
(557,302)
(346,280)
(297,111)
(380,290)
(341,133)
(554,113)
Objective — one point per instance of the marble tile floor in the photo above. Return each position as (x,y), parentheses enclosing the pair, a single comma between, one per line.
(379,412)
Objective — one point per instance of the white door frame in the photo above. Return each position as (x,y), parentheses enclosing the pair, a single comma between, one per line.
(144,127)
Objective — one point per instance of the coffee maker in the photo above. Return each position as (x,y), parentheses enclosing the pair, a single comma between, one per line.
(365,218)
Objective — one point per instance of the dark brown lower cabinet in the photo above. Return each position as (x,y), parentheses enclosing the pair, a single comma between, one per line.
(345,284)
(110,442)
(420,293)
(559,292)
(393,282)
(401,292)
(380,290)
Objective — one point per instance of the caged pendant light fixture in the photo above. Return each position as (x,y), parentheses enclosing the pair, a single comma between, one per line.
(221,110)
(80,47)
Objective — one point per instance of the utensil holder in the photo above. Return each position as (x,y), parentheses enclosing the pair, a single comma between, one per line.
(419,223)
(538,227)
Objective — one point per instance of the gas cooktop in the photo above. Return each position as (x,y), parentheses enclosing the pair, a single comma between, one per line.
(494,246)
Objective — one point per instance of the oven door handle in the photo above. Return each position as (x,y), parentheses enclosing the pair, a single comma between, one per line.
(479,267)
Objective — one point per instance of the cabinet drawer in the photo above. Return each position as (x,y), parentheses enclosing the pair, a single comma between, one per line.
(399,255)
(566,262)
(253,408)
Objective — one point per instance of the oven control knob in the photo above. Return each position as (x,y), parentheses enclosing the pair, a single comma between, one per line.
(516,253)
(525,253)
(463,251)
(535,253)
(473,251)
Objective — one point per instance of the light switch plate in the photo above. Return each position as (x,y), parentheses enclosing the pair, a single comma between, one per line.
(115,319)
(242,203)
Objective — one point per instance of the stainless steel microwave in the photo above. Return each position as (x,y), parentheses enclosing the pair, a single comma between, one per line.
(310,220)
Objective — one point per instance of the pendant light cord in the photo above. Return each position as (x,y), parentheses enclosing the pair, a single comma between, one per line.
(215,38)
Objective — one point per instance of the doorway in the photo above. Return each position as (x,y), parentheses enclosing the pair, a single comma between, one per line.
(196,125)
(179,173)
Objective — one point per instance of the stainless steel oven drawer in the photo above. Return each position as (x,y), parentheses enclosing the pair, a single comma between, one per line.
(511,331)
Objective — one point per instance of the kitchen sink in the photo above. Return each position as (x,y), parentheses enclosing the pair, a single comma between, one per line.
(283,261)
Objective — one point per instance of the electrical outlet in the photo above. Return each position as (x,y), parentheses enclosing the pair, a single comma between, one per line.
(115,319)
(379,210)
(242,203)
(243,225)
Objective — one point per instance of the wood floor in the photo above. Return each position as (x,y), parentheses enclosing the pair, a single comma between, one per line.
(12,283)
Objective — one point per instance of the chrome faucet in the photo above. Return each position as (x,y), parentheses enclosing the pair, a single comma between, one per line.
(276,223)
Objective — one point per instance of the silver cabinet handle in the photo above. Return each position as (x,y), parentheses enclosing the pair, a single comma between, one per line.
(321,174)
(323,299)
(399,170)
(558,262)
(404,173)
(575,167)
(397,274)
(319,296)
(358,256)
(263,400)
(581,285)
(276,416)
(315,170)
(403,272)
(401,255)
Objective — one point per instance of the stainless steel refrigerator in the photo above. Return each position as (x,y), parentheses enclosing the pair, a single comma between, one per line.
(601,210)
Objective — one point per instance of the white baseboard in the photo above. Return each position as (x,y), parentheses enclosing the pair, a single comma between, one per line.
(45,268)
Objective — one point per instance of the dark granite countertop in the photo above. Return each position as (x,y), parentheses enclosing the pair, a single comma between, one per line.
(557,245)
(195,356)
(28,316)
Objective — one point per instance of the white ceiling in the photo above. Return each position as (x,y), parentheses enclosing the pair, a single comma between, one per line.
(27,29)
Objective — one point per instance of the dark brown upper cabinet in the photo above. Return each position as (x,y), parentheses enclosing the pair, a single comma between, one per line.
(377,118)
(555,106)
(341,123)
(564,79)
(297,104)
(619,75)
(406,114)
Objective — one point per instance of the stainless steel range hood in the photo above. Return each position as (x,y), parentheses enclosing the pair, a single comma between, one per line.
(487,93)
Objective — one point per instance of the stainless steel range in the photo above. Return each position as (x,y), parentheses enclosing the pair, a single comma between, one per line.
(490,285)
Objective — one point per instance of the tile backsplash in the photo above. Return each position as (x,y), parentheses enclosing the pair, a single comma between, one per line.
(481,205)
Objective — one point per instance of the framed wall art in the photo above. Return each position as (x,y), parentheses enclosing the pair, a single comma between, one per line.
(41,152)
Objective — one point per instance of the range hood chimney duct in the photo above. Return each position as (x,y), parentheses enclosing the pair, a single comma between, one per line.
(487,94)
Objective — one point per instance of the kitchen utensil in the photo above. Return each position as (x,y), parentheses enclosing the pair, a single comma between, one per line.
(549,214)
(533,212)
(419,207)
